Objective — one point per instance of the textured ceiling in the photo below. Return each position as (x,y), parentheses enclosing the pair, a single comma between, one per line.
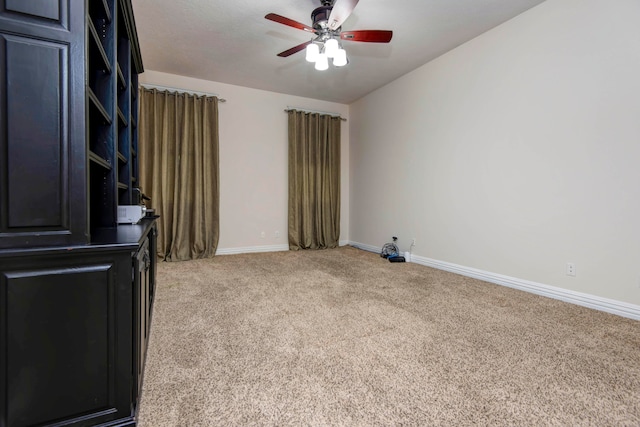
(231,42)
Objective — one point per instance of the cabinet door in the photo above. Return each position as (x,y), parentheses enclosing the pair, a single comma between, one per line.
(42,133)
(66,340)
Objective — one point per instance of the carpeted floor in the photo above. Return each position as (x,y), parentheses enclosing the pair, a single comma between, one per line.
(344,338)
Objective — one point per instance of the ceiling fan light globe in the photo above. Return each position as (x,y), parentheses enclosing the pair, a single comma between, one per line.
(312,52)
(322,62)
(331,47)
(340,60)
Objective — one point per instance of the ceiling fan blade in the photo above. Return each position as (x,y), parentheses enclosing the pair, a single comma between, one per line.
(368,36)
(340,12)
(290,22)
(294,49)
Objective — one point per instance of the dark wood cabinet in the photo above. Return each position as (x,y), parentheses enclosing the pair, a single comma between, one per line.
(66,328)
(75,328)
(68,79)
(76,288)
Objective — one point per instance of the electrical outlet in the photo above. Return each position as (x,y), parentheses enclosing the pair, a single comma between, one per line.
(413,241)
(276,234)
(263,235)
(571,269)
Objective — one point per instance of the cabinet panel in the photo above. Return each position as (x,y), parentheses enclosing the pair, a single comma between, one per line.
(36,150)
(142,309)
(59,323)
(43,190)
(49,9)
(66,337)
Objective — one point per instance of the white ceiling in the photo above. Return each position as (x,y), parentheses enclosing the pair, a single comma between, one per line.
(231,42)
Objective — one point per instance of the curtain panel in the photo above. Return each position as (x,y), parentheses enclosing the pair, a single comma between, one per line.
(314,180)
(179,170)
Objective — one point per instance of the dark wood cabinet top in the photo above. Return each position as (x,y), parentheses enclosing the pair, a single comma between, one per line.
(123,237)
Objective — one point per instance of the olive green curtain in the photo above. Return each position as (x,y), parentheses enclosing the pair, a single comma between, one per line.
(179,170)
(314,180)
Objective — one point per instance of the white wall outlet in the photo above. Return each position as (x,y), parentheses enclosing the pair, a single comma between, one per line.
(263,235)
(276,234)
(571,269)
(413,241)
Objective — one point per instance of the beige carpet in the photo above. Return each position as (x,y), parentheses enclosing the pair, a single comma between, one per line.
(344,338)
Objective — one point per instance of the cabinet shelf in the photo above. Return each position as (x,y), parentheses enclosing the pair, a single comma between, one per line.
(99,160)
(95,102)
(122,186)
(121,80)
(134,124)
(122,118)
(96,46)
(122,158)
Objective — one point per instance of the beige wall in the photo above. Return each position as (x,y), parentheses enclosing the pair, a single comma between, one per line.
(515,153)
(253,161)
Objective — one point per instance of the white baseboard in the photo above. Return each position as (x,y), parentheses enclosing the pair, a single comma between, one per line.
(367,248)
(252,249)
(586,300)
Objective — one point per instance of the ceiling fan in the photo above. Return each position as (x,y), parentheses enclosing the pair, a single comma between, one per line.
(327,29)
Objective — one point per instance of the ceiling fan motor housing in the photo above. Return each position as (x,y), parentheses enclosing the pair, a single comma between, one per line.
(320,17)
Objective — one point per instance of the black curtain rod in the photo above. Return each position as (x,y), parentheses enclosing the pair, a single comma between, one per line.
(175,89)
(315,111)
